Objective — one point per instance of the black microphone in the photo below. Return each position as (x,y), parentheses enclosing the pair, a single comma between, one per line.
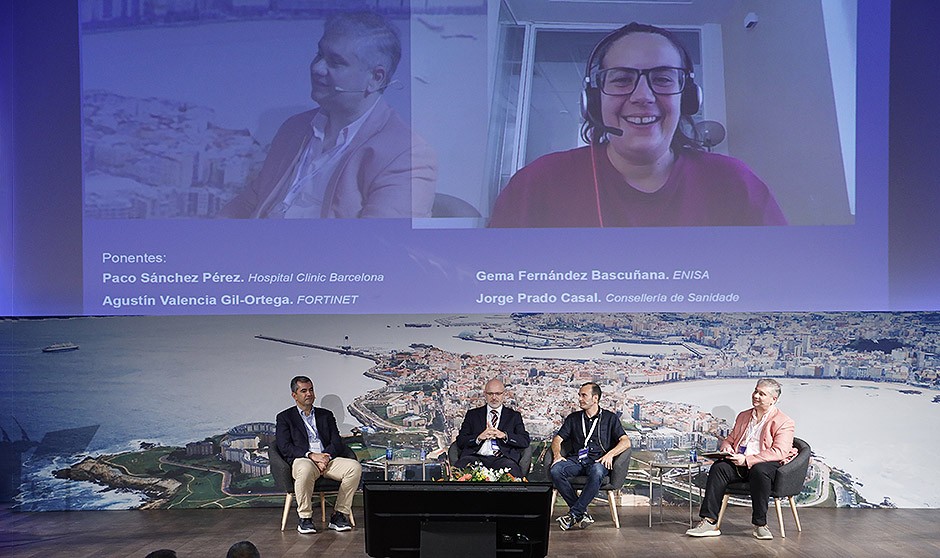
(613,131)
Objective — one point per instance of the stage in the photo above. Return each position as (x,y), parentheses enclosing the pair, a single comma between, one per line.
(209,533)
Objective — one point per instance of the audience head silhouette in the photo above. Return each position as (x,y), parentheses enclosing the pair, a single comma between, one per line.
(243,549)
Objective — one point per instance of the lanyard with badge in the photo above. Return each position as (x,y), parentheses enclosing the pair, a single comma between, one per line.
(583,452)
(316,435)
(752,433)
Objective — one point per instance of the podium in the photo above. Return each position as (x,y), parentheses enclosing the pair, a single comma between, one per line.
(455,519)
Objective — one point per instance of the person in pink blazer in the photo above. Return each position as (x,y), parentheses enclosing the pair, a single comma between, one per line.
(760,442)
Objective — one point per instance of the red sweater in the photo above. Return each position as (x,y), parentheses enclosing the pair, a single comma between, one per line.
(703,189)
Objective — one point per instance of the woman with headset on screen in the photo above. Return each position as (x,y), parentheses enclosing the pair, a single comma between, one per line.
(639,169)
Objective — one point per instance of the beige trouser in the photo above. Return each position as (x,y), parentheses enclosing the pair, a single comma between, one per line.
(346,471)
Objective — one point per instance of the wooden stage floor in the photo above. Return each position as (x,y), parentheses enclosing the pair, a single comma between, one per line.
(208,533)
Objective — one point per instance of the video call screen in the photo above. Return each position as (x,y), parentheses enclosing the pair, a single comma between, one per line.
(247,158)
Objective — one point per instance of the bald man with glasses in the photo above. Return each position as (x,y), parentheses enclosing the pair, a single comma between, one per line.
(493,434)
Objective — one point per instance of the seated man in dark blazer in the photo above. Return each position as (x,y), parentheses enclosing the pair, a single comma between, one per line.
(493,434)
(309,440)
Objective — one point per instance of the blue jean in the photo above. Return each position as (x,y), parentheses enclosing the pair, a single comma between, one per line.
(561,474)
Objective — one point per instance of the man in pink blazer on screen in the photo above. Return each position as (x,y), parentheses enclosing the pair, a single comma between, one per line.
(760,442)
(353,156)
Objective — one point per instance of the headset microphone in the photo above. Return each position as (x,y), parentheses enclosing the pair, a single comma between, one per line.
(590,110)
(691,96)
(339,89)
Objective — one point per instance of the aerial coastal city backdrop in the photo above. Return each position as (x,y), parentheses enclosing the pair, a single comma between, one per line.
(653,369)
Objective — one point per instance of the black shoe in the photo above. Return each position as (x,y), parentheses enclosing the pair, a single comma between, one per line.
(338,522)
(306,526)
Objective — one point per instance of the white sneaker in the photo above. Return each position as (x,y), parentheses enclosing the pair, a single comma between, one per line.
(763,533)
(567,521)
(704,529)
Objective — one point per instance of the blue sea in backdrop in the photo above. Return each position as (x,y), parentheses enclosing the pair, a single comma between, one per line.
(172,380)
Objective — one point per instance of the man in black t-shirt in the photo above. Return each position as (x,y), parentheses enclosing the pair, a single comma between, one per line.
(594,437)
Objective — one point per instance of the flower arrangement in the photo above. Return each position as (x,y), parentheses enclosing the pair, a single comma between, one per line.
(476,472)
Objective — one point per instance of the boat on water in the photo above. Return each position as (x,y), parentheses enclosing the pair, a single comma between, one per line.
(60,347)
